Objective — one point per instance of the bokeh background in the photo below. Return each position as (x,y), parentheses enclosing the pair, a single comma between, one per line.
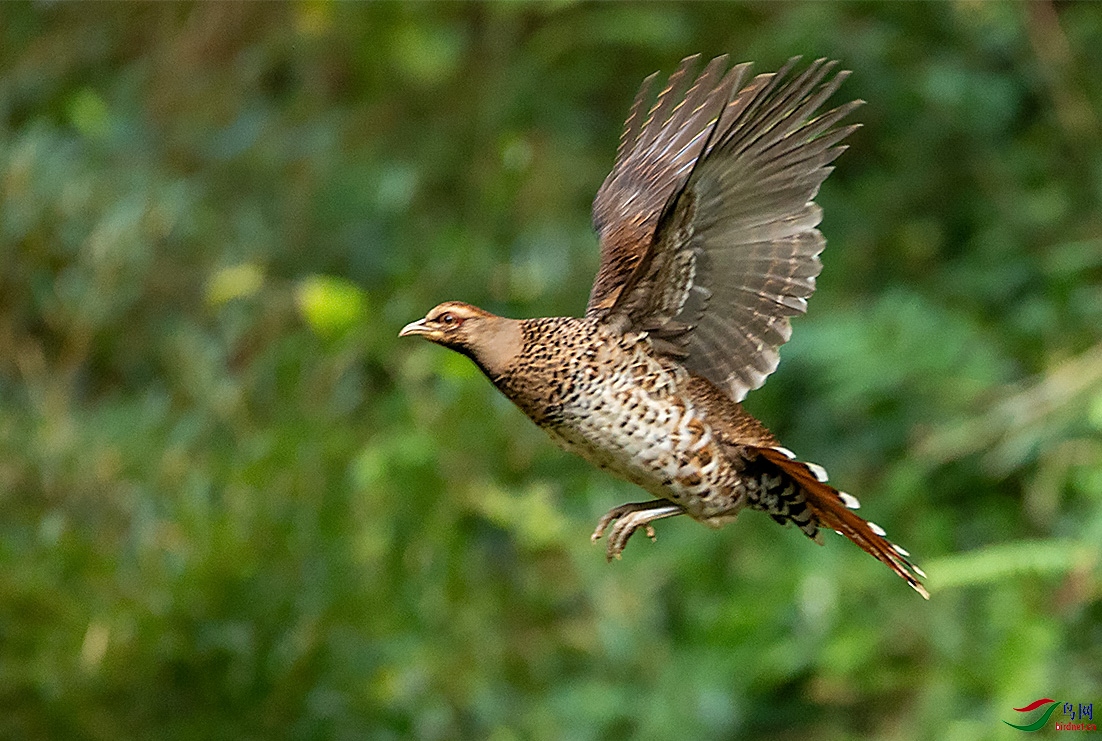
(233,505)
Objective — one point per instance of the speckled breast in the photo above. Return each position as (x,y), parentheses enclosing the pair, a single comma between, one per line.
(610,401)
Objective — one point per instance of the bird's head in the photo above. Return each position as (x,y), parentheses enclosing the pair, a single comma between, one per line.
(490,340)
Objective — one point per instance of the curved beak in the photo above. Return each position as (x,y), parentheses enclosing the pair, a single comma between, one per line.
(415,328)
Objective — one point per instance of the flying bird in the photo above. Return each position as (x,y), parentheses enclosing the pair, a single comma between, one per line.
(707,226)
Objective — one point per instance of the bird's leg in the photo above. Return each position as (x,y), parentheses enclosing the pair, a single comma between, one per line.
(631,517)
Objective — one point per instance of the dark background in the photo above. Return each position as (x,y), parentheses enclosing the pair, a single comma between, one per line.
(233,505)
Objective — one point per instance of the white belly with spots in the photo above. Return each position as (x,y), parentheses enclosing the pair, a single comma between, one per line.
(634,423)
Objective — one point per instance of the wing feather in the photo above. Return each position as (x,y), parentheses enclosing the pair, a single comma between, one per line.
(634,124)
(708,226)
(653,163)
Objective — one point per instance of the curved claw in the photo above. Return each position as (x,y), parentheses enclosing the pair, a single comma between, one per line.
(616,513)
(629,518)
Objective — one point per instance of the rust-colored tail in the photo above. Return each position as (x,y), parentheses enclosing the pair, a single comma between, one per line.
(834,509)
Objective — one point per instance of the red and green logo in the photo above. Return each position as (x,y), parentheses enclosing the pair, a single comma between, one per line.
(1040,722)
(1076,713)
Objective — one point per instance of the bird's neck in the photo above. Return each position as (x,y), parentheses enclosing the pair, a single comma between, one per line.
(540,374)
(499,344)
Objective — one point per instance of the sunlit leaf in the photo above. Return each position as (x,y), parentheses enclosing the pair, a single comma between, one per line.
(235,281)
(330,305)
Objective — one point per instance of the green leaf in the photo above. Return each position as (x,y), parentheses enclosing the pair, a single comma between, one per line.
(330,305)
(88,113)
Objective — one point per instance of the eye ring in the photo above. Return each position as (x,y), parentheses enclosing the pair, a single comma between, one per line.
(448,318)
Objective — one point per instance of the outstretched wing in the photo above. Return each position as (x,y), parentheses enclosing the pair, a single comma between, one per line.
(656,155)
(707,221)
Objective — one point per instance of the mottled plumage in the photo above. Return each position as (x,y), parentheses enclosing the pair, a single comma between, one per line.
(708,245)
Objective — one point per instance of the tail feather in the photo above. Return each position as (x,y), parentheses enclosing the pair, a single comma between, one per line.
(834,509)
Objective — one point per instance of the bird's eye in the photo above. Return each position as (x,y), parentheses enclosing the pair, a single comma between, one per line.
(448,319)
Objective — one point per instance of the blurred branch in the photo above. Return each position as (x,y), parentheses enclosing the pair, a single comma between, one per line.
(1054,54)
(1000,562)
(1022,419)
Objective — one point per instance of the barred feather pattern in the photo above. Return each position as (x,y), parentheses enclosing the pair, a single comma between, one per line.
(708,246)
(612,400)
(803,497)
(707,221)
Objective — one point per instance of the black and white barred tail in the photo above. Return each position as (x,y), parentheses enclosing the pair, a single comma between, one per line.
(794,492)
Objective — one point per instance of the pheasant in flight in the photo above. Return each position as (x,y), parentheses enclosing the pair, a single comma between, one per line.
(709,244)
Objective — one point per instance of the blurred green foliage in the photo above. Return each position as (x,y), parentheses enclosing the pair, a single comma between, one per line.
(233,505)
